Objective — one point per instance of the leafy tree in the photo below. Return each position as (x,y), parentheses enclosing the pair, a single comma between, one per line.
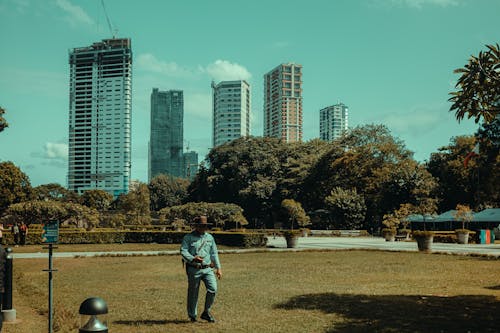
(221,214)
(166,191)
(464,214)
(14,185)
(3,122)
(374,163)
(256,174)
(54,191)
(347,208)
(295,213)
(97,199)
(476,184)
(135,205)
(37,211)
(478,94)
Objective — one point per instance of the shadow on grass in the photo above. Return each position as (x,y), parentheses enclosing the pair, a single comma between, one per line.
(149,322)
(494,287)
(405,314)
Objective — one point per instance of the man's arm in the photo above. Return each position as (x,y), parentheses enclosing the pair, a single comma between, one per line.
(214,255)
(188,257)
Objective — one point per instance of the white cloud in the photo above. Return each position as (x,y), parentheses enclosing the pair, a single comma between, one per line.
(223,70)
(75,14)
(58,151)
(150,63)
(419,4)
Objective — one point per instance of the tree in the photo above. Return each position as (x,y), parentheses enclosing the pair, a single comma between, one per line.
(97,199)
(14,185)
(294,213)
(37,211)
(476,184)
(221,214)
(54,191)
(135,205)
(347,208)
(478,94)
(3,122)
(166,191)
(464,214)
(381,169)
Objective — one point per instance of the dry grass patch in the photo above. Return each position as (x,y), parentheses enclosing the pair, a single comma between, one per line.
(351,291)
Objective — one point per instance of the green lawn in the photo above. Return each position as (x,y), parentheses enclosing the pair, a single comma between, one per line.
(342,291)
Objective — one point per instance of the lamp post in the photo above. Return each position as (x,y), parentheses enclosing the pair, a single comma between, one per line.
(93,317)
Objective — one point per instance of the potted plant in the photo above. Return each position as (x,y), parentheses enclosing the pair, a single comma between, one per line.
(390,221)
(424,239)
(291,237)
(296,215)
(464,214)
(426,206)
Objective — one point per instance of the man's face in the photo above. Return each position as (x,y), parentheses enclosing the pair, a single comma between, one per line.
(201,229)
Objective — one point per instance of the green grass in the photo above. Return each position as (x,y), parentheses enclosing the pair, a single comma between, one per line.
(342,291)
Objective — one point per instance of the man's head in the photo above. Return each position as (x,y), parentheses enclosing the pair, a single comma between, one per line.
(201,224)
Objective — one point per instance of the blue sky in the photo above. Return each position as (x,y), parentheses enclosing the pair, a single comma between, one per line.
(390,61)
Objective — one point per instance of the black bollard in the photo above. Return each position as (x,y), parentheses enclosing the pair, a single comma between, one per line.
(7,296)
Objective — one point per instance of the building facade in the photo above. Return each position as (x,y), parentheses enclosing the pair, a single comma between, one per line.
(190,164)
(333,122)
(283,102)
(167,133)
(100,108)
(231,111)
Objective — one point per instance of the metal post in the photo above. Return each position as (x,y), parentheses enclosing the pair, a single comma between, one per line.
(50,270)
(7,296)
(9,314)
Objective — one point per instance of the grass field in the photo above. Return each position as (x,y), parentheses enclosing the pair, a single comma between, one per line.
(342,291)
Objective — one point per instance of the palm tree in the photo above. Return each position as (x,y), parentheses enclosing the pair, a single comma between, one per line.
(478,94)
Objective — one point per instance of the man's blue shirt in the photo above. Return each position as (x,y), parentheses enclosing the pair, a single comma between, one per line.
(203,245)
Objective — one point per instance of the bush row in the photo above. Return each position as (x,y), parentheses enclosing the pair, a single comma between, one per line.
(161,237)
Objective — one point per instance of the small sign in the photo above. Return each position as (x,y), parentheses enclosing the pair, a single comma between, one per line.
(50,232)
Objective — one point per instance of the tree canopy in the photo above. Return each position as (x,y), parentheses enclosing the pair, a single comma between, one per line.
(3,122)
(15,185)
(478,94)
(166,191)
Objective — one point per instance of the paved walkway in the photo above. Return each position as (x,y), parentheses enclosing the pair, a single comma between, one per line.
(304,243)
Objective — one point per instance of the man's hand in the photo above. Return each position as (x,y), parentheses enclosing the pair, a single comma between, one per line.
(198,259)
(218,273)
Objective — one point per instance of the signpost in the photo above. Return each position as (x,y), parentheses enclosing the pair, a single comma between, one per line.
(50,236)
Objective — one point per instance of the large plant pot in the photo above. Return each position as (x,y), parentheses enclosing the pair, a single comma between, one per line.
(463,237)
(390,237)
(291,241)
(424,243)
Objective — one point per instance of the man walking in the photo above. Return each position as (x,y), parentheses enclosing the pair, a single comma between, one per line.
(199,252)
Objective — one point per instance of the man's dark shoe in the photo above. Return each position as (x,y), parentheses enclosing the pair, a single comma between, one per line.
(208,317)
(193,319)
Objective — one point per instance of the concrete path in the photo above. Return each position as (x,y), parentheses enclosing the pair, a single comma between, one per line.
(304,243)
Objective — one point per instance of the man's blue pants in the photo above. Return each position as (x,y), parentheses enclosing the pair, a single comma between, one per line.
(195,276)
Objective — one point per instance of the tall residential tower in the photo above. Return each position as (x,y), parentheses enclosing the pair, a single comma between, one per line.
(167,134)
(231,111)
(333,121)
(100,105)
(283,102)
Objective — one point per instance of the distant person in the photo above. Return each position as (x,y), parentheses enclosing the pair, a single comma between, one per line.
(23,230)
(3,258)
(200,254)
(15,233)
(1,234)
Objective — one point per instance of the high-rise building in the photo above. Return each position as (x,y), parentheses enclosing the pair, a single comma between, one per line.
(283,102)
(333,121)
(190,164)
(100,105)
(167,133)
(231,111)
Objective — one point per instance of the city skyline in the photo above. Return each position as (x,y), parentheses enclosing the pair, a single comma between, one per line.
(391,61)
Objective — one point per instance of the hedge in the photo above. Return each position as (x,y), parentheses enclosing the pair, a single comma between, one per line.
(244,239)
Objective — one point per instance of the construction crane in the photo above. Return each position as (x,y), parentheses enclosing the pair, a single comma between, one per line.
(109,21)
